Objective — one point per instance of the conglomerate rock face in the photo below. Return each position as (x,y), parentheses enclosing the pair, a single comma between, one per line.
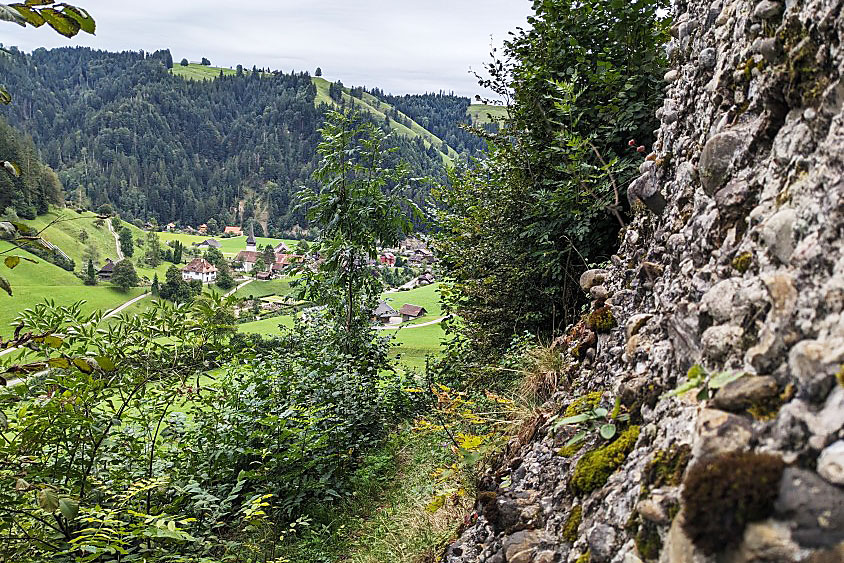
(733,263)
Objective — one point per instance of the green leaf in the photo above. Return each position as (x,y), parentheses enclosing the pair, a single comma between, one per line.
(82,17)
(61,23)
(12,261)
(62,363)
(48,500)
(5,286)
(105,363)
(572,419)
(723,378)
(576,438)
(703,394)
(22,485)
(600,412)
(5,97)
(69,508)
(83,365)
(607,431)
(31,16)
(53,341)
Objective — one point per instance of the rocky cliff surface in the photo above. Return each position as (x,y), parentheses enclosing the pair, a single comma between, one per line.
(732,266)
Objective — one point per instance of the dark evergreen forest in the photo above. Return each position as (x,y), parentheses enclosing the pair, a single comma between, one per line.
(119,128)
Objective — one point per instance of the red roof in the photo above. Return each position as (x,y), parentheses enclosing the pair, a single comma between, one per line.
(412,310)
(200,266)
(248,256)
(233,230)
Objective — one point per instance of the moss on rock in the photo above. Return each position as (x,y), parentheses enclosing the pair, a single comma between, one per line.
(601,319)
(742,262)
(572,524)
(585,558)
(595,467)
(584,403)
(667,467)
(723,493)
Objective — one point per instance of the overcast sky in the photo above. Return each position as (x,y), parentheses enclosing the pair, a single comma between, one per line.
(400,46)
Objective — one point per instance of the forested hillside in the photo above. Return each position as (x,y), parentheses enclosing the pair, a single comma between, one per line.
(32,187)
(120,128)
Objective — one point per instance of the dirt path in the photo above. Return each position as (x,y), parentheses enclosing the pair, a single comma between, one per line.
(116,240)
(247,282)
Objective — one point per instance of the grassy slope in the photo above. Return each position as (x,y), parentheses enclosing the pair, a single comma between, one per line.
(196,71)
(32,283)
(427,296)
(228,246)
(370,104)
(485,113)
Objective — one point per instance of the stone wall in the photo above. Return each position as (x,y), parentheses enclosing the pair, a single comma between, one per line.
(733,263)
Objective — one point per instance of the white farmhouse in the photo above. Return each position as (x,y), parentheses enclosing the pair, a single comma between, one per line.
(200,269)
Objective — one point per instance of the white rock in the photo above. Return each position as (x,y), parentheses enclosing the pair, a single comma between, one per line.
(831,463)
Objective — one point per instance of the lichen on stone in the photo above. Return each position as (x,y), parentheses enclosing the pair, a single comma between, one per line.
(571,449)
(585,558)
(742,262)
(840,376)
(573,523)
(722,494)
(595,467)
(601,319)
(648,542)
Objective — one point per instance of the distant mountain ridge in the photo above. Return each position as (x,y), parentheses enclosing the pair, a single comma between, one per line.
(126,129)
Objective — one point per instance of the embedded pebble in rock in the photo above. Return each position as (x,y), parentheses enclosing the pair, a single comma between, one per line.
(591,278)
(767,9)
(735,262)
(778,234)
(831,463)
(599,292)
(719,432)
(745,392)
(708,57)
(814,507)
(718,341)
(717,159)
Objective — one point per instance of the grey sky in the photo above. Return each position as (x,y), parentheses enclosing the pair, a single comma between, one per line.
(400,46)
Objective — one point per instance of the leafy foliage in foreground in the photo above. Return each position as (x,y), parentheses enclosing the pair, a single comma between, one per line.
(519,227)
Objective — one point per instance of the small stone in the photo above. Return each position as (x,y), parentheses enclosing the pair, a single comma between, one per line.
(778,234)
(653,511)
(814,508)
(671,76)
(707,58)
(810,362)
(766,541)
(831,463)
(767,9)
(520,546)
(718,301)
(601,540)
(635,324)
(599,292)
(719,341)
(745,392)
(591,278)
(767,47)
(720,432)
(734,194)
(717,158)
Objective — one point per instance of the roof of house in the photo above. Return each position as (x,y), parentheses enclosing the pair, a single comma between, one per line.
(264,275)
(248,256)
(412,310)
(384,310)
(210,242)
(108,266)
(200,266)
(281,248)
(233,230)
(251,238)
